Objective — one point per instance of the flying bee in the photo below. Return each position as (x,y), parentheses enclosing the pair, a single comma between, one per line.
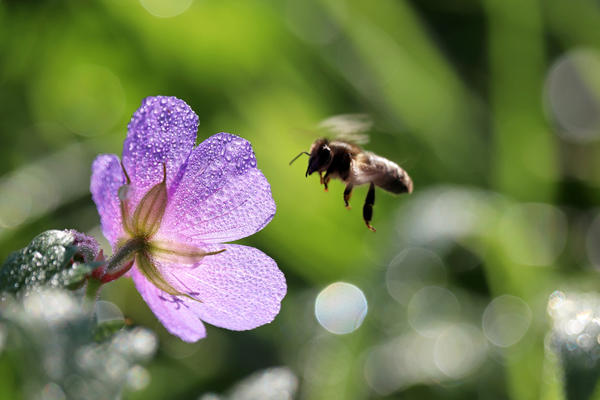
(344,159)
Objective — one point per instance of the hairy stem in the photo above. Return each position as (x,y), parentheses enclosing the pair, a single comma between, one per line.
(125,254)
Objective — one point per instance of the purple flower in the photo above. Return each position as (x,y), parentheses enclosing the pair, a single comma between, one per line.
(168,207)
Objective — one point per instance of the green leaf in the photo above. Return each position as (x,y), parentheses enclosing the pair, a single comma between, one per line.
(52,259)
(107,329)
(73,277)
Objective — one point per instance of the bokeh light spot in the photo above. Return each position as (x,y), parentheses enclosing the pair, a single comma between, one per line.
(52,306)
(401,362)
(431,307)
(459,350)
(105,311)
(166,8)
(556,301)
(52,392)
(341,308)
(506,320)
(454,351)
(412,269)
(278,383)
(575,336)
(446,212)
(138,378)
(143,342)
(572,89)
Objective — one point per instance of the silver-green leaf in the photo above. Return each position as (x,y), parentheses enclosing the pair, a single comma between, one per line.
(53,259)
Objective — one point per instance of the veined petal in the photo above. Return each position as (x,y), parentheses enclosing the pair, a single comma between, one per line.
(222,196)
(107,178)
(161,132)
(174,313)
(240,288)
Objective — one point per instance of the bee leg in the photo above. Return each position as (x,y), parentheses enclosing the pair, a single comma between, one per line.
(347,195)
(321,176)
(368,207)
(326,180)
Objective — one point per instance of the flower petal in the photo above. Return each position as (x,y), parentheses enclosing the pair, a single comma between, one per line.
(222,196)
(161,131)
(173,312)
(239,289)
(107,177)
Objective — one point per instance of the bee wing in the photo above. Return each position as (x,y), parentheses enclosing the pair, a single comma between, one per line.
(382,172)
(351,128)
(365,167)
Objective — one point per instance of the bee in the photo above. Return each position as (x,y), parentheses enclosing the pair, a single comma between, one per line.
(344,159)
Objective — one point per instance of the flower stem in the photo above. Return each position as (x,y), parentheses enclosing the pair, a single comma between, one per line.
(121,261)
(92,291)
(125,253)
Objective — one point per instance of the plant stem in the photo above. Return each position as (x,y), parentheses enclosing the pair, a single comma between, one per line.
(121,261)
(124,254)
(92,290)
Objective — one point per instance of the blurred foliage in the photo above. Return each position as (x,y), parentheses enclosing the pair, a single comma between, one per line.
(468,96)
(48,340)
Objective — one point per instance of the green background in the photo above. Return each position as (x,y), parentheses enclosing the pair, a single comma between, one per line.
(460,95)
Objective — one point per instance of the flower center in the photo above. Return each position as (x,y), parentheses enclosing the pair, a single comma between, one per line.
(140,244)
(146,219)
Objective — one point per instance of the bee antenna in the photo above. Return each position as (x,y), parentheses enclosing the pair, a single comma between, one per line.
(295,158)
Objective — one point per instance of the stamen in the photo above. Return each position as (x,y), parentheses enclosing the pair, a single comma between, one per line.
(148,268)
(124,194)
(125,172)
(149,212)
(179,253)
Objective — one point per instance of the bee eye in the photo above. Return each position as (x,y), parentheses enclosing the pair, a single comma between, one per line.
(324,154)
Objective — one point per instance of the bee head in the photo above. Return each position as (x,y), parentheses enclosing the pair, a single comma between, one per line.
(320,156)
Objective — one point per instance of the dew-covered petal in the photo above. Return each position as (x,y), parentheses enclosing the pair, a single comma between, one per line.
(240,288)
(172,311)
(222,196)
(107,177)
(161,131)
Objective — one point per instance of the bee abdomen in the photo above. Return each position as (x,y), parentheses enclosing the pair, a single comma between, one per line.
(395,180)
